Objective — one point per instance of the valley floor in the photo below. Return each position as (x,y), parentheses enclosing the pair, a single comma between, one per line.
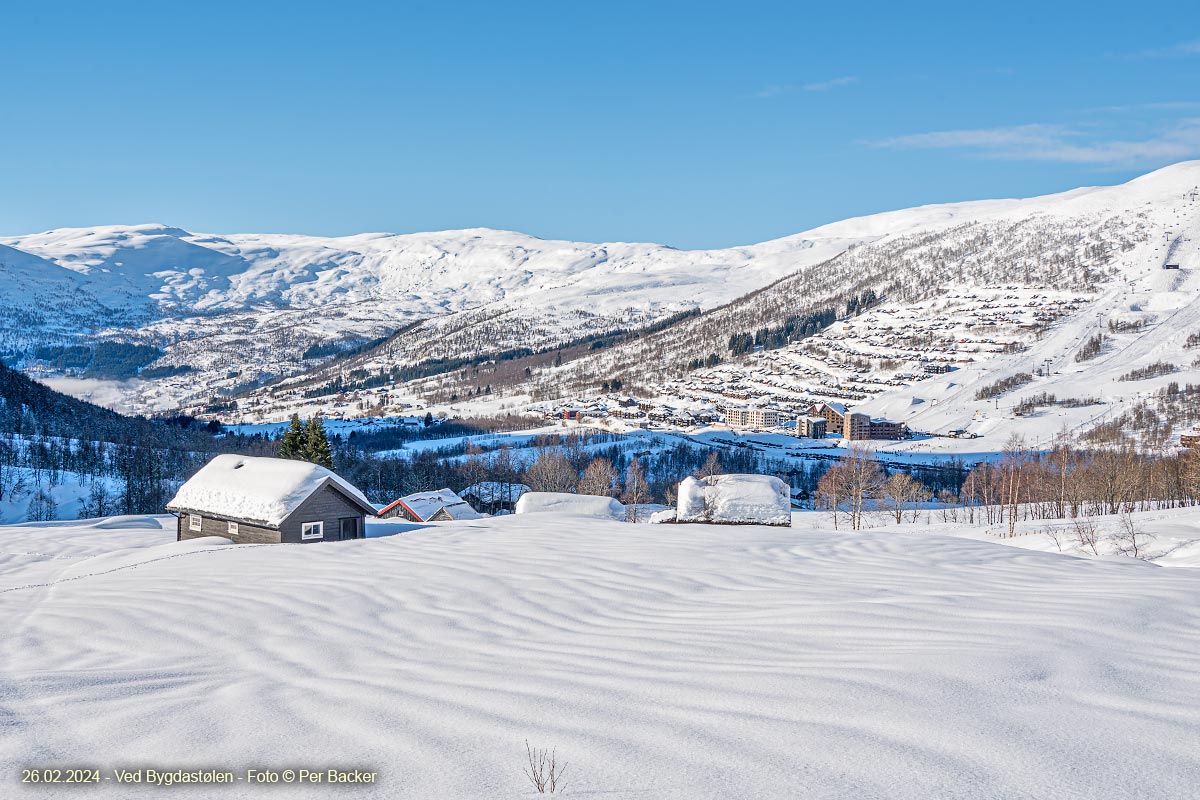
(666,662)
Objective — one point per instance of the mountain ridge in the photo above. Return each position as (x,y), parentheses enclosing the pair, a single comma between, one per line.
(253,304)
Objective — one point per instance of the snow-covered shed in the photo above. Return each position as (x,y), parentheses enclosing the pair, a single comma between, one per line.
(264,500)
(585,505)
(439,506)
(735,500)
(493,497)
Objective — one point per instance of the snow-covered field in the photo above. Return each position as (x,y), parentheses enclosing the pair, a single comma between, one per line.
(661,661)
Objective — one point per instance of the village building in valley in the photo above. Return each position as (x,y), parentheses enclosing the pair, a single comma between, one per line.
(750,417)
(269,500)
(834,414)
(863,426)
(810,427)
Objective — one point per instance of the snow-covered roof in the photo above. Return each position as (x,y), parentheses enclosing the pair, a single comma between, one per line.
(424,505)
(743,499)
(490,491)
(261,491)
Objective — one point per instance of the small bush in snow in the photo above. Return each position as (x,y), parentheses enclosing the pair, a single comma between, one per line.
(543,769)
(1129,539)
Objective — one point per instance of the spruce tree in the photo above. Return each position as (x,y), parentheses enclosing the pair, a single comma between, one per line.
(294,441)
(316,445)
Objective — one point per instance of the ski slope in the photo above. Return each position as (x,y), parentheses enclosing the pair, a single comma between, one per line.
(1166,305)
(662,662)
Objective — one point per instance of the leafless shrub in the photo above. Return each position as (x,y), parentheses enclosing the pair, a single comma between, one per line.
(1055,535)
(1086,535)
(1130,540)
(544,771)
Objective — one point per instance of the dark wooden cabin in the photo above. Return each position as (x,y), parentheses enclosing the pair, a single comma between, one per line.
(269,500)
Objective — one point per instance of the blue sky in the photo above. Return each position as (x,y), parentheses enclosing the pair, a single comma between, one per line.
(695,124)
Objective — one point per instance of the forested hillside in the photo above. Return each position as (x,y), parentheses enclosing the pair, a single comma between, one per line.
(57,451)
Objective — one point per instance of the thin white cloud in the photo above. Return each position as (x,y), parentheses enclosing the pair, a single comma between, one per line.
(1172,105)
(815,86)
(1180,50)
(832,83)
(772,91)
(1060,143)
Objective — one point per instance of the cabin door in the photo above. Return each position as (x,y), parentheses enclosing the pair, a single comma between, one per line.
(349,528)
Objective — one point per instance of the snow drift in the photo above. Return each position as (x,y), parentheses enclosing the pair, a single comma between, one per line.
(584,505)
(664,662)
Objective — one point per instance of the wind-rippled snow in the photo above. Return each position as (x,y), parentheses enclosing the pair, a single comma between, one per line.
(662,661)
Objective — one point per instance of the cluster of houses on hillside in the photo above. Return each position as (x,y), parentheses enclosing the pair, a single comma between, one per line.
(819,421)
(861,357)
(642,413)
(806,421)
(381,401)
(846,364)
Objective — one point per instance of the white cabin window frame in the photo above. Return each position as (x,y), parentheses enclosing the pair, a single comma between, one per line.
(195,522)
(312,530)
(231,528)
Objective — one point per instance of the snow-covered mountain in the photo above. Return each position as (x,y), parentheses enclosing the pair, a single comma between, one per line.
(243,307)
(228,312)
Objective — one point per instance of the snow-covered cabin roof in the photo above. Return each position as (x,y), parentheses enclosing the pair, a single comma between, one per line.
(260,491)
(491,491)
(424,505)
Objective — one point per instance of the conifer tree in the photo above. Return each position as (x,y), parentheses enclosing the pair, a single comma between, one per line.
(294,441)
(316,445)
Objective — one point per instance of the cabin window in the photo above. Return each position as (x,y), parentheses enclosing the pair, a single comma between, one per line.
(232,528)
(195,523)
(312,530)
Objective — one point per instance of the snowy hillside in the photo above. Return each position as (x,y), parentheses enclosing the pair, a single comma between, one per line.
(236,309)
(922,325)
(216,315)
(699,661)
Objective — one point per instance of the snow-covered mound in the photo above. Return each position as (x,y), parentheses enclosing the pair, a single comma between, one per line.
(735,499)
(669,662)
(583,505)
